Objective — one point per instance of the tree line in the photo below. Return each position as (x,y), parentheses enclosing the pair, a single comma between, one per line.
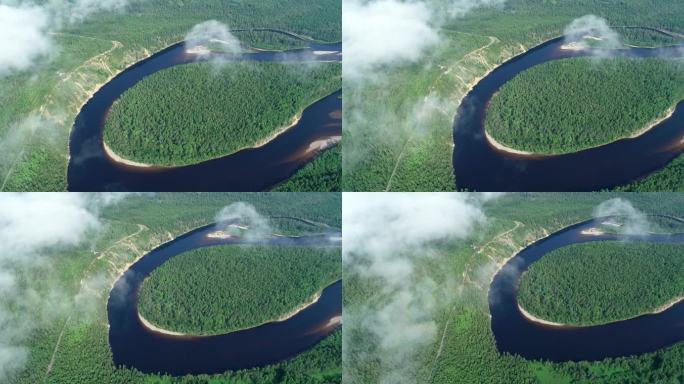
(601,282)
(192,113)
(222,289)
(573,104)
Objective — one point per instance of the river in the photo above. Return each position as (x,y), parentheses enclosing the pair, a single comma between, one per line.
(133,345)
(479,166)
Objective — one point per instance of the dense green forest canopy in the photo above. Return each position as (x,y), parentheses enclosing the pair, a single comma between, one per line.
(387,149)
(75,342)
(323,174)
(196,112)
(573,104)
(88,53)
(227,288)
(462,348)
(601,282)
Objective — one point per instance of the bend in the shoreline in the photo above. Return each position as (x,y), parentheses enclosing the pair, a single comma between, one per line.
(656,311)
(314,299)
(114,157)
(503,148)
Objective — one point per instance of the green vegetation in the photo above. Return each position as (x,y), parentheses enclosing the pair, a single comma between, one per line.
(642,37)
(131,228)
(323,174)
(670,178)
(387,148)
(242,287)
(462,348)
(270,40)
(602,282)
(656,224)
(87,53)
(190,113)
(573,104)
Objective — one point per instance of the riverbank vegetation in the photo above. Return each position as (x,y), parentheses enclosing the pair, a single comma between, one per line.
(69,342)
(652,224)
(646,37)
(191,113)
(388,148)
(459,346)
(602,282)
(241,287)
(323,174)
(573,104)
(39,105)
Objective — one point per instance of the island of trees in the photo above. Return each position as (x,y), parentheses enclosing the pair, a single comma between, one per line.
(602,282)
(222,289)
(195,112)
(573,104)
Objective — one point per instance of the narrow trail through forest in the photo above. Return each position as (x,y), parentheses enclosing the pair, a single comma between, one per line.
(83,285)
(43,109)
(477,54)
(467,279)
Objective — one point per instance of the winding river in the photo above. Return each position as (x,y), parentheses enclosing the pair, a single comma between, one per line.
(479,166)
(255,169)
(515,334)
(133,345)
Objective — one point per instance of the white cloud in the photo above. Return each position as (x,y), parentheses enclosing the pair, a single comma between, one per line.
(459,8)
(25,28)
(384,32)
(385,237)
(25,39)
(33,226)
(593,26)
(381,33)
(211,31)
(245,214)
(33,222)
(634,221)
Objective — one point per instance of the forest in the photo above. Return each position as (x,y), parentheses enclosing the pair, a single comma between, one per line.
(132,227)
(323,174)
(573,104)
(88,52)
(191,113)
(387,148)
(218,290)
(602,282)
(460,347)
(656,224)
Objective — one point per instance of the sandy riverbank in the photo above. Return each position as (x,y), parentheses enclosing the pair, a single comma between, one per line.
(636,134)
(156,329)
(118,159)
(535,319)
(654,123)
(593,232)
(284,317)
(504,148)
(323,144)
(301,307)
(656,311)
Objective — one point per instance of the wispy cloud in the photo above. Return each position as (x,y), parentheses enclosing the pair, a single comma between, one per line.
(387,239)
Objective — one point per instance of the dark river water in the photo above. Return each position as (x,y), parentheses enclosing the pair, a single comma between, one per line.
(135,346)
(91,169)
(517,335)
(478,166)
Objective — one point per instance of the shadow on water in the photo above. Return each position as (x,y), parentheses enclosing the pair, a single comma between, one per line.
(135,346)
